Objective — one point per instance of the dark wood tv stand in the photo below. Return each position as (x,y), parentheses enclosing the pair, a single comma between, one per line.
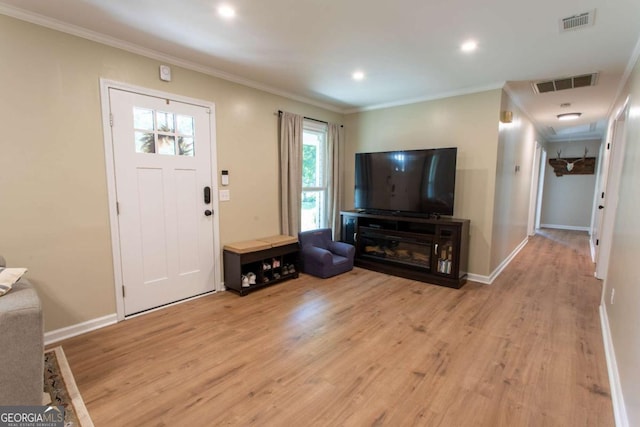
(426,249)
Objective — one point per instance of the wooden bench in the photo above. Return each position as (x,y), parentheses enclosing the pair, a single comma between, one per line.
(271,260)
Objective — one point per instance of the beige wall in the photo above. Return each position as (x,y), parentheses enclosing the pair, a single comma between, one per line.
(516,147)
(469,122)
(53,190)
(54,175)
(624,313)
(568,200)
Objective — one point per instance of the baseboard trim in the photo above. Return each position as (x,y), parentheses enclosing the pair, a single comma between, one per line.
(565,227)
(487,280)
(54,336)
(80,328)
(617,398)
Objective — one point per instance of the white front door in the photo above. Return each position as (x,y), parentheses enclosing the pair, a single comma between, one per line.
(162,163)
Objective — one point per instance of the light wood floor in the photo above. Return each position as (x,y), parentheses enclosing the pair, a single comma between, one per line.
(364,349)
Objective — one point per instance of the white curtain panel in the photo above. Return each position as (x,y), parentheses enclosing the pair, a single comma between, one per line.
(334,178)
(290,172)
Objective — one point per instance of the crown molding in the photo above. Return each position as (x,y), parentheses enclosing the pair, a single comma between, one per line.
(54,24)
(450,94)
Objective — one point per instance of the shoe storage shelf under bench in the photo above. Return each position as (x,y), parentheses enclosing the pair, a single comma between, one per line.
(271,259)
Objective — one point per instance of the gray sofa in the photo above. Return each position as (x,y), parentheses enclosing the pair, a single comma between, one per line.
(21,345)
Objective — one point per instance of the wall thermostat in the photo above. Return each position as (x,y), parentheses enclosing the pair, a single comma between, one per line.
(165,73)
(225,177)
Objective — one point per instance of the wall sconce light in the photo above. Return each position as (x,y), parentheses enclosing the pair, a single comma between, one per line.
(506,116)
(568,116)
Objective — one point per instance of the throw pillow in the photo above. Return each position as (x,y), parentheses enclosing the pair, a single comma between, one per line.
(9,276)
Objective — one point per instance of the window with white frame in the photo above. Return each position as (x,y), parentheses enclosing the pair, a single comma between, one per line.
(313,209)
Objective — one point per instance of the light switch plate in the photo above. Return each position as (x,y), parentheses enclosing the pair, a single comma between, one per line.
(225,195)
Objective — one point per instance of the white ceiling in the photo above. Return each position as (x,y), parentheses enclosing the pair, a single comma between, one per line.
(408,49)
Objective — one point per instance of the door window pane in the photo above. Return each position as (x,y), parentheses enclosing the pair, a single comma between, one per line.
(142,118)
(165,121)
(145,142)
(166,144)
(185,125)
(185,146)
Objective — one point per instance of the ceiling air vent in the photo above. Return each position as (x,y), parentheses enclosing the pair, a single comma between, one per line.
(577,21)
(566,83)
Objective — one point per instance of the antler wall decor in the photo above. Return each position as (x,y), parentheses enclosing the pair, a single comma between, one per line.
(573,165)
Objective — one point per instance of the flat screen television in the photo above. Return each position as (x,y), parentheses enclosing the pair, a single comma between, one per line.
(419,182)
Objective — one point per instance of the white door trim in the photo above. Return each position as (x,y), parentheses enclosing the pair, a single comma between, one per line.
(533,192)
(541,174)
(105,85)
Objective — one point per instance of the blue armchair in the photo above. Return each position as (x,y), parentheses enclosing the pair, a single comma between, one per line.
(322,257)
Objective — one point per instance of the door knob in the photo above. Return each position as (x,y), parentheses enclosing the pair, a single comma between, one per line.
(208,213)
(600,207)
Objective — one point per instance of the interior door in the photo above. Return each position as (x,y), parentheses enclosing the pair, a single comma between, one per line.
(607,199)
(162,163)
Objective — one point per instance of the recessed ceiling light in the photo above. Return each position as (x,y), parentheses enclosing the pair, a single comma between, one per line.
(358,75)
(569,116)
(226,11)
(469,46)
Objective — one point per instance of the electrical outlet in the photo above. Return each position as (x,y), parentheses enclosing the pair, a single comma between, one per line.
(613,292)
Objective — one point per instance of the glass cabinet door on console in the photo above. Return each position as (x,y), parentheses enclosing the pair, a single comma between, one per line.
(444,251)
(349,229)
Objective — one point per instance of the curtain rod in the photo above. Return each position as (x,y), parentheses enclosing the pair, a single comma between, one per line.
(309,118)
